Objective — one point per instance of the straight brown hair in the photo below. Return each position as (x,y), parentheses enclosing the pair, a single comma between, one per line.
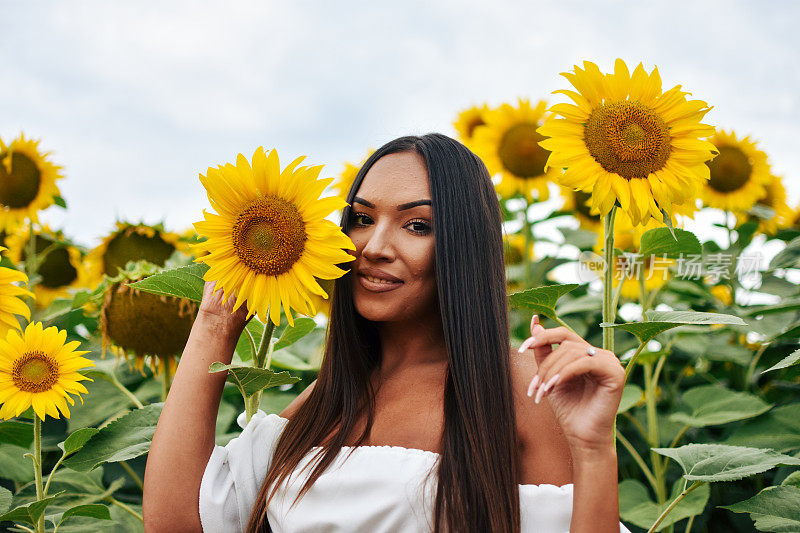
(478,470)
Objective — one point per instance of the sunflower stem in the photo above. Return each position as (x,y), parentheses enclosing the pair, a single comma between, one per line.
(608,270)
(132,473)
(30,267)
(652,430)
(114,501)
(124,390)
(37,466)
(262,359)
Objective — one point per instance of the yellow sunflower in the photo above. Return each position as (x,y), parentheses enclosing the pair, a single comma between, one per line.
(348,175)
(468,120)
(624,140)
(270,239)
(739,174)
(27,182)
(37,369)
(11,302)
(132,242)
(775,199)
(509,145)
(723,293)
(142,327)
(322,305)
(61,270)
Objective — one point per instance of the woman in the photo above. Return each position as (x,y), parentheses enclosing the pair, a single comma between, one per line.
(418,382)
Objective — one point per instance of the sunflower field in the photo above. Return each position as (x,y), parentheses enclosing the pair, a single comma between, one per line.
(627,219)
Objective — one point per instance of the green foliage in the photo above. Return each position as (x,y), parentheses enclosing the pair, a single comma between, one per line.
(719,462)
(251,380)
(541,300)
(16,432)
(790,360)
(713,405)
(125,438)
(772,509)
(779,429)
(182,282)
(659,241)
(637,507)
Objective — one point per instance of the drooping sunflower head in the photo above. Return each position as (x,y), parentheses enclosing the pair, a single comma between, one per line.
(624,140)
(143,327)
(269,240)
(61,268)
(27,182)
(348,175)
(37,368)
(132,242)
(508,143)
(468,120)
(738,175)
(11,298)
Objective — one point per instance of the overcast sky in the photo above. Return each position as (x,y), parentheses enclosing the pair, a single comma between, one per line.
(135,99)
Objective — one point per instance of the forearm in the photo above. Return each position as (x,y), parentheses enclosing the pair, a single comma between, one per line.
(595,506)
(184,436)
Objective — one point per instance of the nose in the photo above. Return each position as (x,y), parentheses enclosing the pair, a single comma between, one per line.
(380,245)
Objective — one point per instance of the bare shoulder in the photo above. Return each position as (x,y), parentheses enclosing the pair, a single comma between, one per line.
(544,453)
(290,409)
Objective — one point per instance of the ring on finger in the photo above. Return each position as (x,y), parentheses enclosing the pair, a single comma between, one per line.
(591,350)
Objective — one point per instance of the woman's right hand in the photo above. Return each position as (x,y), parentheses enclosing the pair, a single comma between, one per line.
(212,308)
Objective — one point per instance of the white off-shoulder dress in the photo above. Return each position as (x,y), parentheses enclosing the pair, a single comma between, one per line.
(375,489)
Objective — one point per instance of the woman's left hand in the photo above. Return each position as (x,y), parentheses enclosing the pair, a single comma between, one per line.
(584,390)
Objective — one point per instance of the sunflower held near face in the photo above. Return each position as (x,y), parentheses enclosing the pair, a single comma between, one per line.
(509,144)
(11,295)
(38,369)
(625,140)
(27,182)
(269,238)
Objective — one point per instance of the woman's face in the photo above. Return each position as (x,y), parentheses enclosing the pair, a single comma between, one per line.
(392,229)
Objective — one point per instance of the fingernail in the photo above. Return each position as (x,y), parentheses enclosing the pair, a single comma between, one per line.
(535,319)
(532,386)
(539,394)
(526,344)
(552,382)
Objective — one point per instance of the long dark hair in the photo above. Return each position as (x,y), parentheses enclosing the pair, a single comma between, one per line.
(478,469)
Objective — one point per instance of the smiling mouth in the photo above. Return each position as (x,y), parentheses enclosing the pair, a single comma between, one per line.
(379,280)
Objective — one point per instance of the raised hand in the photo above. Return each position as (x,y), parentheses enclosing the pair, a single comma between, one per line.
(582,383)
(212,307)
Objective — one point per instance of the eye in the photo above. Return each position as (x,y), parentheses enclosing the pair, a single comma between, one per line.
(355,219)
(420,227)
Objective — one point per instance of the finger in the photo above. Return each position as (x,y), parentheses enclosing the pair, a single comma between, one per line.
(556,336)
(602,369)
(548,374)
(539,352)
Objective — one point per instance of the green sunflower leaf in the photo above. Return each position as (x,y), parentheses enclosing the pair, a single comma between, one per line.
(542,300)
(17,433)
(91,510)
(719,462)
(631,395)
(5,499)
(659,241)
(661,321)
(302,327)
(126,437)
(713,405)
(790,360)
(778,429)
(77,440)
(182,282)
(788,257)
(250,380)
(638,508)
(772,509)
(28,513)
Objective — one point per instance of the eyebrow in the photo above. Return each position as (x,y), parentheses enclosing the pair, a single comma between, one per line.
(400,207)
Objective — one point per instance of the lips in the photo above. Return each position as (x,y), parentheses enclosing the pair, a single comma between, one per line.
(376,280)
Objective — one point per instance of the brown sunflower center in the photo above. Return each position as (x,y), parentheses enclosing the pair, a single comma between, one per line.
(269,235)
(19,187)
(520,153)
(128,245)
(730,170)
(142,323)
(56,269)
(34,372)
(627,138)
